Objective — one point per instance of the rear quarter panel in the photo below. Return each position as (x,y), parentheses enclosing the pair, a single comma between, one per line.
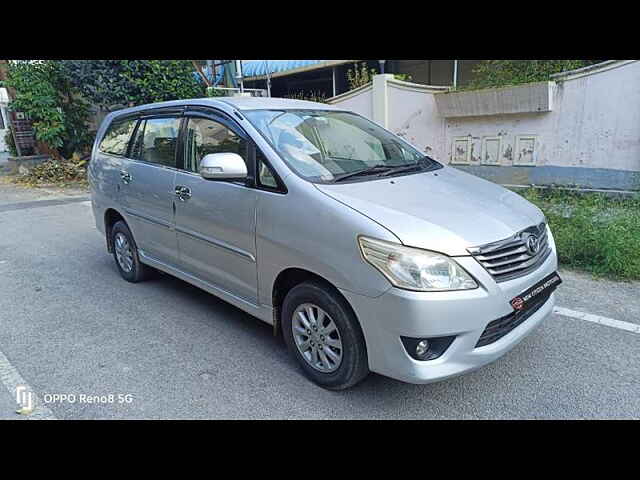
(104,178)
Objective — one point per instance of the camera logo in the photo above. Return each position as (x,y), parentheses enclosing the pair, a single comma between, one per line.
(24,398)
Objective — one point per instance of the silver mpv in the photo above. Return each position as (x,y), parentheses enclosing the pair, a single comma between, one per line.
(363,252)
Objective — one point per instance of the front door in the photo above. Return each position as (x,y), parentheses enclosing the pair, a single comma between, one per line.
(215,220)
(147,189)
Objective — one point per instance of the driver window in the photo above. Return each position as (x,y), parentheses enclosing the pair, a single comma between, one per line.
(204,136)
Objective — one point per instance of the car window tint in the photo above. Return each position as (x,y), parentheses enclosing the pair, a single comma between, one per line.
(204,136)
(116,139)
(159,141)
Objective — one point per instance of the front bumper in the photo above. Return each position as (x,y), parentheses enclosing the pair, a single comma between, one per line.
(465,314)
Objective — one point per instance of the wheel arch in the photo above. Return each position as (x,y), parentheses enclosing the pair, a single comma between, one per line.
(288,279)
(111,216)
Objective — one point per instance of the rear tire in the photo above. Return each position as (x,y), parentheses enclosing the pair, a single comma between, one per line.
(125,254)
(324,336)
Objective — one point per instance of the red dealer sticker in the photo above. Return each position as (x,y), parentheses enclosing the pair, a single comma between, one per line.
(544,287)
(517,303)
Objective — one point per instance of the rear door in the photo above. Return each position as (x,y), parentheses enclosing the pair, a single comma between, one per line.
(148,178)
(215,220)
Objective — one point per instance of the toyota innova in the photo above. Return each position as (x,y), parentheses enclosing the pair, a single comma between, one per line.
(364,253)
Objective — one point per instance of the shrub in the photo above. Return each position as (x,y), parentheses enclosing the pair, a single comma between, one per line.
(11,144)
(115,83)
(502,73)
(59,117)
(311,97)
(593,232)
(360,75)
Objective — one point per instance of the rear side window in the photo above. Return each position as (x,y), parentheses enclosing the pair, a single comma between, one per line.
(156,141)
(116,140)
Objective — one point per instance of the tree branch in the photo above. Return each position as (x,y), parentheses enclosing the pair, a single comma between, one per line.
(202,75)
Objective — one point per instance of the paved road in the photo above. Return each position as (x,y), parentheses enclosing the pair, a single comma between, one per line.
(70,325)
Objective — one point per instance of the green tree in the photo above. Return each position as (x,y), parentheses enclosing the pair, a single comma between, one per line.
(59,116)
(501,73)
(111,84)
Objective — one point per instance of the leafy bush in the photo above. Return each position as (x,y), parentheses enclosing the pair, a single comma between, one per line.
(593,232)
(215,92)
(59,117)
(501,73)
(402,76)
(311,97)
(360,75)
(118,83)
(10,143)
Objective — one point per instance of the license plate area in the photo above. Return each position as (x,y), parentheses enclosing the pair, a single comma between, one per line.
(541,289)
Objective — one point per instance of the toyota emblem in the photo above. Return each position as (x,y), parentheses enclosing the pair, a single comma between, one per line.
(533,244)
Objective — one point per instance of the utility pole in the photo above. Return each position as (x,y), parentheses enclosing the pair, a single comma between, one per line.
(239,75)
(266,64)
(455,74)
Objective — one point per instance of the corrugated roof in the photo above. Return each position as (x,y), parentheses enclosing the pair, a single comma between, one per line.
(258,68)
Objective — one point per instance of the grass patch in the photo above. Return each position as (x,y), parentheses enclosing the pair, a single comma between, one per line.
(593,231)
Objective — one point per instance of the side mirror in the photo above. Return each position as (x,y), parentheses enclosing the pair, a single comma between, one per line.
(223,166)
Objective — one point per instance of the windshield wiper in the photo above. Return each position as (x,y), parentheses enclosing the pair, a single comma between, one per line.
(367,171)
(425,163)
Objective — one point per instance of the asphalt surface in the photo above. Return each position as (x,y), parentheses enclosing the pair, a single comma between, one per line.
(165,349)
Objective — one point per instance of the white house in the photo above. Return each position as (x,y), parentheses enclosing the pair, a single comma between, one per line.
(4,118)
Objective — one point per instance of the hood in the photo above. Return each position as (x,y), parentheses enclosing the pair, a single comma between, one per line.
(445,210)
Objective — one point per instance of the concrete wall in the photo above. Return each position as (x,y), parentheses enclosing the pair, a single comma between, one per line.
(413,116)
(359,100)
(4,118)
(582,129)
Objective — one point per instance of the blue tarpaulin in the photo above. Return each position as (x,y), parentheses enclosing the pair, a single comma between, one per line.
(257,68)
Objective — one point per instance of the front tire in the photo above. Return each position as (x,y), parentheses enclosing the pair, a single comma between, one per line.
(125,253)
(324,336)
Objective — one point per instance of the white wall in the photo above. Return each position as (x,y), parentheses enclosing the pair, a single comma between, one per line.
(592,122)
(359,100)
(410,111)
(4,99)
(413,116)
(3,131)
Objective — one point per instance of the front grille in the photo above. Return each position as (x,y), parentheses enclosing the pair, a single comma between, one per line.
(511,258)
(500,327)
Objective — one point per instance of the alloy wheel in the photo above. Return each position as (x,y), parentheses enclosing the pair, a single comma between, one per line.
(317,337)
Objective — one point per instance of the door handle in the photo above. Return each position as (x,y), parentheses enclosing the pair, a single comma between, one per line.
(125,176)
(183,193)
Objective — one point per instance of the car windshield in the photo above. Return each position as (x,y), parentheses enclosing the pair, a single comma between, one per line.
(332,146)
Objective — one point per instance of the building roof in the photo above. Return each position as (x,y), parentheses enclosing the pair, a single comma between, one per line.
(257,69)
(278,68)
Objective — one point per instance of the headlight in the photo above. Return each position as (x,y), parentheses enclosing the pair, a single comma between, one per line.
(415,269)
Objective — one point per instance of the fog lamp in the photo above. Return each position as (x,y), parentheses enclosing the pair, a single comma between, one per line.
(422,348)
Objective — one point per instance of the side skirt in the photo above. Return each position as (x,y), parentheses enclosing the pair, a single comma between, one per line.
(263,312)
